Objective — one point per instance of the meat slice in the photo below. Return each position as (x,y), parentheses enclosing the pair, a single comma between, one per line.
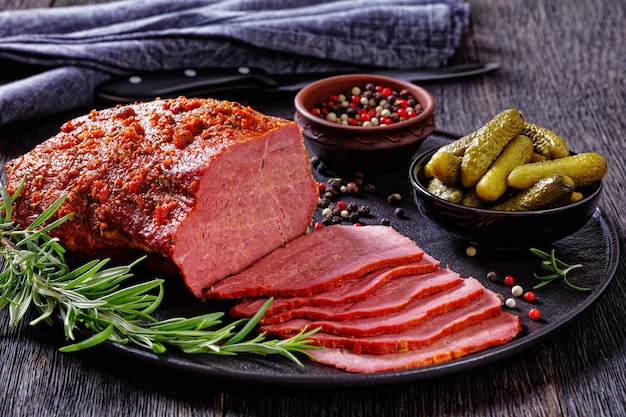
(319,261)
(492,332)
(353,290)
(453,321)
(392,296)
(211,186)
(412,315)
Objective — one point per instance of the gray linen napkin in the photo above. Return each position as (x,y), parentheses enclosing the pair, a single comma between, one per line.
(76,48)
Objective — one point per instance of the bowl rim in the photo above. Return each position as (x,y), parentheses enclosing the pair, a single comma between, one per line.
(426,100)
(419,187)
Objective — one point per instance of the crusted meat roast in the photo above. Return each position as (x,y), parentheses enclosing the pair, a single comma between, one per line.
(211,186)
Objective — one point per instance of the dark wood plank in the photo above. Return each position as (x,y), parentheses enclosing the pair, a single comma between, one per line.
(564,66)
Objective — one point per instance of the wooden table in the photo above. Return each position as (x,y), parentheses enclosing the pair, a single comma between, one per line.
(564,66)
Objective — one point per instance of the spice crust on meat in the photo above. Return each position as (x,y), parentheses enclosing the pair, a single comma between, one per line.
(178,178)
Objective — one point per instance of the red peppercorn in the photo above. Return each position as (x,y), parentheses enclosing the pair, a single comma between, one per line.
(529,296)
(341,205)
(322,187)
(386,91)
(534,313)
(318,225)
(509,280)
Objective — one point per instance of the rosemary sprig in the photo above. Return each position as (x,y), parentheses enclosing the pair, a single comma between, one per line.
(558,269)
(35,275)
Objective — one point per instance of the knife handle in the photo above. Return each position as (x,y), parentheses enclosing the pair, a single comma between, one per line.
(164,84)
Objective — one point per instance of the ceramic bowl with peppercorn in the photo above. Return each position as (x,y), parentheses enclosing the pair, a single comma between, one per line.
(364,122)
(510,184)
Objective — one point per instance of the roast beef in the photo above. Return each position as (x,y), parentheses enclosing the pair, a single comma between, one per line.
(319,261)
(210,185)
(453,321)
(417,312)
(392,296)
(491,332)
(353,290)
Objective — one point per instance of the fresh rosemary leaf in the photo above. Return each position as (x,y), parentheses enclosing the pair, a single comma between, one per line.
(91,341)
(35,277)
(558,268)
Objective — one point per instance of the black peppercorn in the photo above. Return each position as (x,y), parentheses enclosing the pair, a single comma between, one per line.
(364,211)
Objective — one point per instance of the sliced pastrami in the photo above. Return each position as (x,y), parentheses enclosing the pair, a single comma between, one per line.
(353,290)
(413,315)
(492,332)
(392,296)
(453,321)
(319,261)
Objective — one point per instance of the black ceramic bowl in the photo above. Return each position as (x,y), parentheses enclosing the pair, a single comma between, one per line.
(501,229)
(347,148)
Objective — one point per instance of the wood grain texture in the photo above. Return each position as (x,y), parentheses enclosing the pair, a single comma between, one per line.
(564,66)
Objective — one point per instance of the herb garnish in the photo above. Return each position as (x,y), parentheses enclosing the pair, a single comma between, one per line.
(35,275)
(558,268)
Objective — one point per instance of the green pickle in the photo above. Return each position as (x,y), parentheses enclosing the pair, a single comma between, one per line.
(444,166)
(493,184)
(583,168)
(459,146)
(438,161)
(445,192)
(545,141)
(470,199)
(512,165)
(488,142)
(550,192)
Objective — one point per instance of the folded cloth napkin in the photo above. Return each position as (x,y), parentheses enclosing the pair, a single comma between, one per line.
(76,48)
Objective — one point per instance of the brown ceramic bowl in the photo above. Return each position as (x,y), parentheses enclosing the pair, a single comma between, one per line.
(346,148)
(501,229)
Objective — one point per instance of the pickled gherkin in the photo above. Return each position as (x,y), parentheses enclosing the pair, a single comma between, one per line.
(488,142)
(445,192)
(493,184)
(456,148)
(545,141)
(444,166)
(583,168)
(550,192)
(513,165)
(459,146)
(470,199)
